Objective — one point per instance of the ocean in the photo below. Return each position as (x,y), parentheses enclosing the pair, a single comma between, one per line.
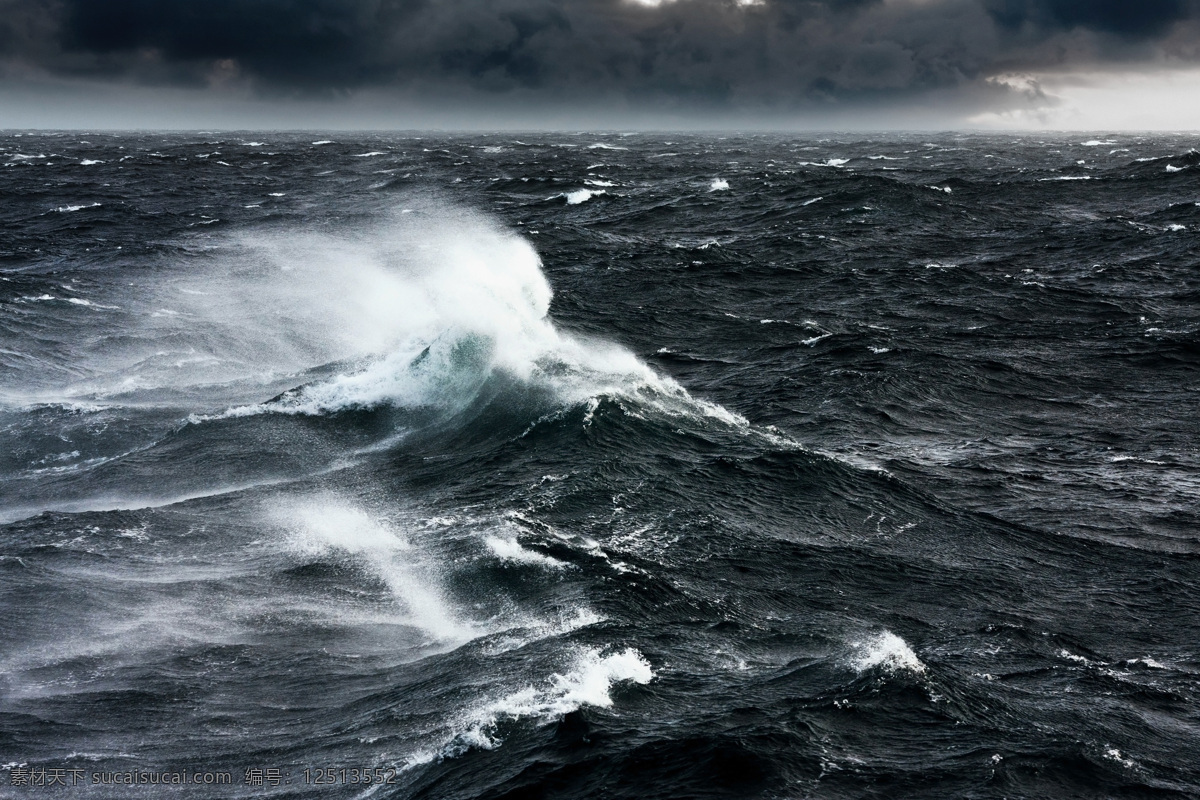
(599,465)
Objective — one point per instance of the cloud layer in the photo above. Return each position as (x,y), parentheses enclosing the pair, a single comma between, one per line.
(760,55)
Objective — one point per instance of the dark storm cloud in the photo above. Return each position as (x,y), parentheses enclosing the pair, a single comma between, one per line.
(774,53)
(1119,17)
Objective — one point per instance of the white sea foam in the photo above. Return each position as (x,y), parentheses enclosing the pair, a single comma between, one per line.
(509,549)
(457,295)
(323,141)
(719,185)
(1069,656)
(70,209)
(372,153)
(327,525)
(885,651)
(1097,142)
(87,162)
(1173,168)
(581,196)
(421,310)
(588,682)
(1148,662)
(80,301)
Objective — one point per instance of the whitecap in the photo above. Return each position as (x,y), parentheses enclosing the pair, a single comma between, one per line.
(832,162)
(588,682)
(885,651)
(70,209)
(581,196)
(509,549)
(718,185)
(421,312)
(1069,656)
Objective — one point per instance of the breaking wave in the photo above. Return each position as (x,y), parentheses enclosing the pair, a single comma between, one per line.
(419,312)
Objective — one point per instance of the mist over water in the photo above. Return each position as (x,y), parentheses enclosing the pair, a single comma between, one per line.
(597,465)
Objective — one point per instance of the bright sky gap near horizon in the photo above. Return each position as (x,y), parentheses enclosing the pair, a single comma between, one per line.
(685,64)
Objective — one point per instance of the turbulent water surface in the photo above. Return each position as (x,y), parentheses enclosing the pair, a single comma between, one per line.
(600,466)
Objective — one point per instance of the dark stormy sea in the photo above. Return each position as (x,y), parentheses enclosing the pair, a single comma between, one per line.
(599,466)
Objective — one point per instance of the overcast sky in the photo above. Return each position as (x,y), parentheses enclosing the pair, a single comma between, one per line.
(1070,64)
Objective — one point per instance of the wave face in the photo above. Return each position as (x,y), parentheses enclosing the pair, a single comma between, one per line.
(774,467)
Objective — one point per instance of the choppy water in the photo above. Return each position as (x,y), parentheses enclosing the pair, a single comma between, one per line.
(580,466)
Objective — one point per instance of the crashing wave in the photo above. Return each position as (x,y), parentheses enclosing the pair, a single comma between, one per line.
(425,314)
(888,652)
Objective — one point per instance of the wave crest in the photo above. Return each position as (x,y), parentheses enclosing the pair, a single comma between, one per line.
(424,311)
